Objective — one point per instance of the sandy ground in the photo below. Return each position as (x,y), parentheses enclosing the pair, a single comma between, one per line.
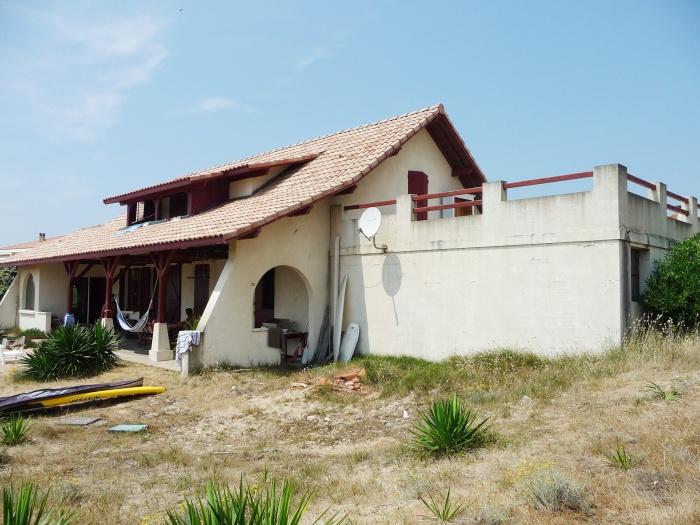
(351,449)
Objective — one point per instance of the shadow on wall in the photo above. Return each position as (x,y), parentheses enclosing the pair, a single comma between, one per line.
(391,279)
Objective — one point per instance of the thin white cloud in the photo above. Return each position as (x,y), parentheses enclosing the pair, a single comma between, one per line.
(93,113)
(312,56)
(79,69)
(214,104)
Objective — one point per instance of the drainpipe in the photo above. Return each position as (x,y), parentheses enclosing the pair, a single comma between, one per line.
(336,275)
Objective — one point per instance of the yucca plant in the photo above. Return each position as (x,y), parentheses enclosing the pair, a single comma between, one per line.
(15,430)
(220,506)
(40,366)
(447,511)
(620,458)
(448,428)
(73,351)
(247,506)
(26,508)
(659,393)
(105,344)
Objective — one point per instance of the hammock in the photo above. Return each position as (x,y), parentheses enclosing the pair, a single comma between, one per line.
(141,323)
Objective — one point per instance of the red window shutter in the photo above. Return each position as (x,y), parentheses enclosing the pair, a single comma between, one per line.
(418,185)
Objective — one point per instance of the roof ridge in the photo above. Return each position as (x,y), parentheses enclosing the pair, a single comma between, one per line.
(436,107)
(431,112)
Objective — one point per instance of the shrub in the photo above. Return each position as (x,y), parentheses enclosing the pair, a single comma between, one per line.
(448,428)
(246,506)
(673,289)
(33,333)
(546,488)
(26,508)
(447,511)
(7,275)
(620,458)
(73,351)
(659,393)
(15,430)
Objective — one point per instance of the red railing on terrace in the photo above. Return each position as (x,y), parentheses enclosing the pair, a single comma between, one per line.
(506,185)
(369,205)
(674,196)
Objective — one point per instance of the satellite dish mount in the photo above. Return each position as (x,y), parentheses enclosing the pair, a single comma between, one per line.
(369,224)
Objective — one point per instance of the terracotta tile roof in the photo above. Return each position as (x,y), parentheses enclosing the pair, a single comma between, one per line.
(335,162)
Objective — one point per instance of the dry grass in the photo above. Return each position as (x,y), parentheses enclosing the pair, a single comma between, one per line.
(351,449)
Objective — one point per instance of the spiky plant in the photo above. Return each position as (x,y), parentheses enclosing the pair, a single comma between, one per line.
(448,428)
(73,351)
(247,506)
(447,511)
(15,430)
(27,508)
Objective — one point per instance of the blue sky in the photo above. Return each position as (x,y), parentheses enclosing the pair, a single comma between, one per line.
(100,98)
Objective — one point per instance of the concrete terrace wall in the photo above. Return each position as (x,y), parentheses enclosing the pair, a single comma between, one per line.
(548,274)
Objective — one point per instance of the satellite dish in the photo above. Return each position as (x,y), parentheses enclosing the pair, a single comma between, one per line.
(369,222)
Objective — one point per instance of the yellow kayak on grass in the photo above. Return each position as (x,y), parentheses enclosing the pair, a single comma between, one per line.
(103,394)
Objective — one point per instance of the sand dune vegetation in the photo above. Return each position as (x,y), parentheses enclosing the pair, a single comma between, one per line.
(609,438)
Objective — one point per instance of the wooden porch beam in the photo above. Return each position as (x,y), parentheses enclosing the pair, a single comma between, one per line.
(71,267)
(162,264)
(109,265)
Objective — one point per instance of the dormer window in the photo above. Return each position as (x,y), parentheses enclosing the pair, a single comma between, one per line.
(173,206)
(141,212)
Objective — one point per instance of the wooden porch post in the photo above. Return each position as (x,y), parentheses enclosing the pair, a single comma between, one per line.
(109,265)
(160,347)
(162,264)
(71,269)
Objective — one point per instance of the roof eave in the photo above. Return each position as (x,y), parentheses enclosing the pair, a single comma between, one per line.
(181,245)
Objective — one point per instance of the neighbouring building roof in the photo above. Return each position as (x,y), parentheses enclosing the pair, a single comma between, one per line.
(317,169)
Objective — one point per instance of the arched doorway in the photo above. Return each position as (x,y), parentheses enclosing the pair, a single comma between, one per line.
(281,293)
(29,293)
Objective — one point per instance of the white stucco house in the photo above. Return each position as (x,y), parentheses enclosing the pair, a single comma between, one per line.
(465,268)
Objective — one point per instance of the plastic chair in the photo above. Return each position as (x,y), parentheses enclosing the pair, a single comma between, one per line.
(14,350)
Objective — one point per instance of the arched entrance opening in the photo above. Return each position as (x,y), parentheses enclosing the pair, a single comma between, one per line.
(29,293)
(281,297)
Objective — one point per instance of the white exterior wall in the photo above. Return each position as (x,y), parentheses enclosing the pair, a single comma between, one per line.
(390,178)
(301,243)
(9,305)
(53,289)
(291,297)
(548,274)
(50,282)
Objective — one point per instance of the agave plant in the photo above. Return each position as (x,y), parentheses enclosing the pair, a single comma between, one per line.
(247,506)
(447,511)
(26,508)
(15,430)
(447,428)
(105,343)
(73,351)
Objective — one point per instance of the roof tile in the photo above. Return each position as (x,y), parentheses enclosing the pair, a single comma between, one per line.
(331,163)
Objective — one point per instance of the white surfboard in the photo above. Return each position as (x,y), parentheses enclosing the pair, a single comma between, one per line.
(306,355)
(347,347)
(338,321)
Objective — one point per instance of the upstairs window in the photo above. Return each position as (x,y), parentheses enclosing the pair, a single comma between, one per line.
(418,185)
(173,206)
(142,211)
